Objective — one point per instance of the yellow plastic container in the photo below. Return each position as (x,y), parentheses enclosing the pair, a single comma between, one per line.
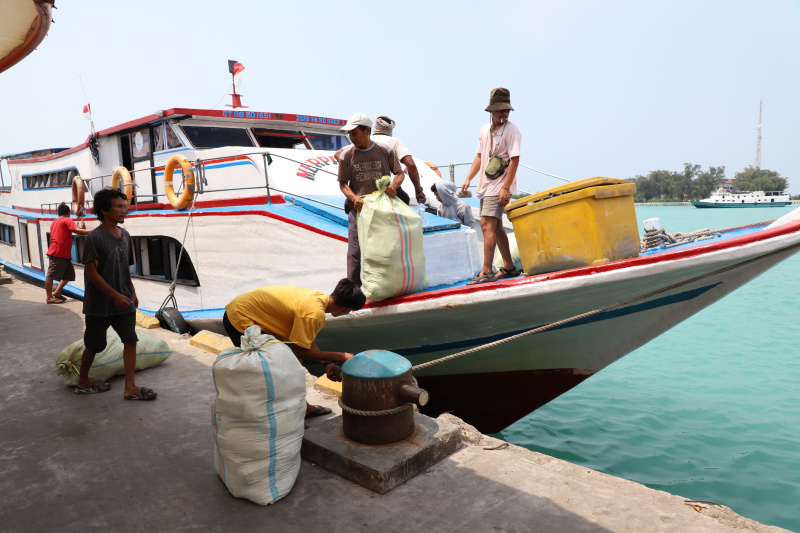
(582,223)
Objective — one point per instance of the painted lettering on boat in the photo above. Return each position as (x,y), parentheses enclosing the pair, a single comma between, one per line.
(309,168)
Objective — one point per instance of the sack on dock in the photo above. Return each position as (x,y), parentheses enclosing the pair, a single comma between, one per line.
(512,245)
(150,351)
(392,254)
(257,417)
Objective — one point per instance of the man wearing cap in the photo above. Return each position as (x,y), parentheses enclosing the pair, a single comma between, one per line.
(359,168)
(502,139)
(382,133)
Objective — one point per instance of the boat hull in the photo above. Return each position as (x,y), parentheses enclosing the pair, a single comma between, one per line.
(731,205)
(500,384)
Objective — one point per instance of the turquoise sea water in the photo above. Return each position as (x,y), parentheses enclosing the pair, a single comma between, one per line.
(710,410)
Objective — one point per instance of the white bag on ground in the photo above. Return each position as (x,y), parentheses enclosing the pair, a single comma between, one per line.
(390,238)
(515,258)
(258,416)
(150,351)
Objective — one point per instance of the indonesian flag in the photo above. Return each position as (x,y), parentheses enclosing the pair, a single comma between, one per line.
(87,111)
(238,68)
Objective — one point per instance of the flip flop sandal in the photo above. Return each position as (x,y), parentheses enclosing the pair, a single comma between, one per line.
(56,301)
(143,394)
(504,273)
(481,278)
(97,387)
(319,411)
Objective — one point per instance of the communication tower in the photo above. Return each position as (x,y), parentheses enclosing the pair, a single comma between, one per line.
(758,142)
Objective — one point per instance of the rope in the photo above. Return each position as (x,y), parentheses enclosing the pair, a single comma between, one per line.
(171,296)
(660,238)
(359,412)
(594,312)
(384,412)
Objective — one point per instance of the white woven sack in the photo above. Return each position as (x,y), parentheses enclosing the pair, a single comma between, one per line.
(392,253)
(513,248)
(150,352)
(258,417)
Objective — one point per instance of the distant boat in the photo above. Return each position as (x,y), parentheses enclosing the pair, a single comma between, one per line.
(23,26)
(723,198)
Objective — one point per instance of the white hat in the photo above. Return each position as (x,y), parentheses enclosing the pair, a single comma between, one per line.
(357,119)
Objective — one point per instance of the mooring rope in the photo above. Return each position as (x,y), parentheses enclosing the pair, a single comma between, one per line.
(594,312)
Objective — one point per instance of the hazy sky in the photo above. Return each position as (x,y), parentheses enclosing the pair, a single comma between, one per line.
(601,88)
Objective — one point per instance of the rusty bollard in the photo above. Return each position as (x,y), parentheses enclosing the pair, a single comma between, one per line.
(379,382)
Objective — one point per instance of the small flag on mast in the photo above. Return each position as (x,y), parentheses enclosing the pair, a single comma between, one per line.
(238,68)
(87,111)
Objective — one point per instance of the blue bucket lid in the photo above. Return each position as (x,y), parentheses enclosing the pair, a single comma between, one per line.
(376,364)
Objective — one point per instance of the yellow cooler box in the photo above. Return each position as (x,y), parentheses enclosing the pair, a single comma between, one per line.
(582,223)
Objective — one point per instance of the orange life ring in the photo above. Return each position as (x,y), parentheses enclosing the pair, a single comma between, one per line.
(78,196)
(127,180)
(434,168)
(188,175)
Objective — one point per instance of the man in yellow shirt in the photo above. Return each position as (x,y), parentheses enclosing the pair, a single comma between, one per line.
(296,315)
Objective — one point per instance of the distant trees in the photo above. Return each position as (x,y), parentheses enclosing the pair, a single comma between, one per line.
(694,183)
(759,179)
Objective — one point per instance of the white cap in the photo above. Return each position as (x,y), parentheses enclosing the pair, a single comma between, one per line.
(357,119)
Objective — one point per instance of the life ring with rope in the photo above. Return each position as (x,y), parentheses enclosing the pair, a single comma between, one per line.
(121,173)
(78,196)
(188,175)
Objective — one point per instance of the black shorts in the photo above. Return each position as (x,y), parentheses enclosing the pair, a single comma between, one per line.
(94,338)
(60,269)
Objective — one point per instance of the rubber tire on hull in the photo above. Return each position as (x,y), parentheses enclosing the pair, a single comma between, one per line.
(171,319)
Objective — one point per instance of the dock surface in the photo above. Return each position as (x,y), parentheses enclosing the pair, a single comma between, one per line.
(97,463)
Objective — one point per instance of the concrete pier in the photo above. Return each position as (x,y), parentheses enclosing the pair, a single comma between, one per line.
(97,463)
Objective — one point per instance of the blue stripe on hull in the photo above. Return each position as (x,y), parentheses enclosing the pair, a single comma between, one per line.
(608,315)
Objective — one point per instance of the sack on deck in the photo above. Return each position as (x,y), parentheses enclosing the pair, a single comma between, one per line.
(150,351)
(498,259)
(390,238)
(257,417)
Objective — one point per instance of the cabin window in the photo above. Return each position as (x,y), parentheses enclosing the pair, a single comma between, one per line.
(157,258)
(7,234)
(216,137)
(323,141)
(279,139)
(140,144)
(164,137)
(50,180)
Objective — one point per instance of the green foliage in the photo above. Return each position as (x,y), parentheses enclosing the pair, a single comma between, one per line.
(468,195)
(759,179)
(666,186)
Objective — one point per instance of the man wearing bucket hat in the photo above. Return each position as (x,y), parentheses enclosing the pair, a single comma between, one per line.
(382,133)
(495,164)
(359,168)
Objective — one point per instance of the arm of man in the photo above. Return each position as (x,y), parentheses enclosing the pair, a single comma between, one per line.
(397,170)
(505,193)
(315,354)
(358,203)
(120,300)
(413,173)
(81,231)
(473,170)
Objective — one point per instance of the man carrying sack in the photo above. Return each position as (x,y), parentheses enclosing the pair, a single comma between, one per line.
(496,165)
(359,169)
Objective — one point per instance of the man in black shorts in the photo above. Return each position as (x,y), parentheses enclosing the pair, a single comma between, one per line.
(110,299)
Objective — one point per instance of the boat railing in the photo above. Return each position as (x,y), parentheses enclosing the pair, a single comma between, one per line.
(201,182)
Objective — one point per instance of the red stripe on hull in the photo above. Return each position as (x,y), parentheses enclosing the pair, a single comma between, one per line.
(493,401)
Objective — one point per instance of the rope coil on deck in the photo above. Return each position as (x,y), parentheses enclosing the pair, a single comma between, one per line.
(658,238)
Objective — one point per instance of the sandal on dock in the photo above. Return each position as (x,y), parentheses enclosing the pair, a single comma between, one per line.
(143,394)
(96,387)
